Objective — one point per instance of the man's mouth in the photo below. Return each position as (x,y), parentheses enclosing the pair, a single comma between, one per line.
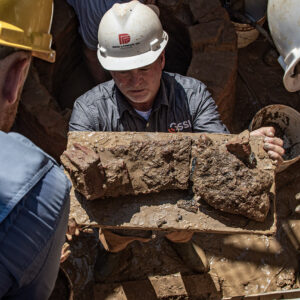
(136,91)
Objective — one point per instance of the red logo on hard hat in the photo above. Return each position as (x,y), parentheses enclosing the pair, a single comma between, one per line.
(124,38)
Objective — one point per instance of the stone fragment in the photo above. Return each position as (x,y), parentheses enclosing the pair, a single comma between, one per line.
(130,166)
(188,205)
(240,147)
(117,181)
(85,170)
(92,178)
(227,184)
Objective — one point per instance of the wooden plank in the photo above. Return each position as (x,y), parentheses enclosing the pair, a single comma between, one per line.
(159,211)
(160,287)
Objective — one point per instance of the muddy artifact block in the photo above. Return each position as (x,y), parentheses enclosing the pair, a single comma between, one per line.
(85,169)
(170,181)
(110,164)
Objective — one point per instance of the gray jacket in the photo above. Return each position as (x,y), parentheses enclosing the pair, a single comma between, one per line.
(182,104)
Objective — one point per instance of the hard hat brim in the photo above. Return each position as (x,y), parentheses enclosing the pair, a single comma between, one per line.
(132,62)
(291,81)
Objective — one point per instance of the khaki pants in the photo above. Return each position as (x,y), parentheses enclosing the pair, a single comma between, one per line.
(113,242)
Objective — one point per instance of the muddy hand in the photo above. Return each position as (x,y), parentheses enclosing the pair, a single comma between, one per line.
(73,229)
(272,144)
(65,252)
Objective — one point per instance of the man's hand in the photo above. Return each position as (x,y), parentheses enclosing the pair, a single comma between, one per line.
(65,252)
(73,229)
(272,144)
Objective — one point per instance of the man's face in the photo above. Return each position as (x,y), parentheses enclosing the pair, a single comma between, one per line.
(140,86)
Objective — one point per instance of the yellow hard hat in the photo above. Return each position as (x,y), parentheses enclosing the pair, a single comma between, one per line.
(25,24)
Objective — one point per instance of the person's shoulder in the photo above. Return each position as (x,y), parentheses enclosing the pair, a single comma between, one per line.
(185,82)
(99,94)
(15,144)
(23,165)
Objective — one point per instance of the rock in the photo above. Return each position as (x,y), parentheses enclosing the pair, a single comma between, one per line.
(84,167)
(130,165)
(227,184)
(189,205)
(240,147)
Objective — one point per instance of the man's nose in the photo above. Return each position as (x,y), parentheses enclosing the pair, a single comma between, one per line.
(136,77)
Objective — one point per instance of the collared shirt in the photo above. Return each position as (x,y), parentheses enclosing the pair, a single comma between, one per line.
(183,104)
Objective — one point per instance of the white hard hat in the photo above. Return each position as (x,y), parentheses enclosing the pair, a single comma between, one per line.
(130,36)
(284,24)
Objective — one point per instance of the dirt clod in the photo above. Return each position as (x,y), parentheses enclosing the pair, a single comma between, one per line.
(240,147)
(188,205)
(226,183)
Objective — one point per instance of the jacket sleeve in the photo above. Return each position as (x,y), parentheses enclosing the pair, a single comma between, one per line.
(82,118)
(205,116)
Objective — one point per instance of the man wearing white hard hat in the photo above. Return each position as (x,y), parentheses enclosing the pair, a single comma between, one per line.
(141,97)
(89,14)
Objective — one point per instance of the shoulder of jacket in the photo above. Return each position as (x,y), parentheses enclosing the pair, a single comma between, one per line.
(98,95)
(186,82)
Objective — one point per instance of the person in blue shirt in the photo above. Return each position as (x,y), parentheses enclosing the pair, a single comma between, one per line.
(34,192)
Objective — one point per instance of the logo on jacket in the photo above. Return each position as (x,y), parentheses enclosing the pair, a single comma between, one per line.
(176,127)
(124,38)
